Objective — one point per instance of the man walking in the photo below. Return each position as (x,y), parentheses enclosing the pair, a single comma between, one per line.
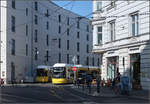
(98,83)
(88,82)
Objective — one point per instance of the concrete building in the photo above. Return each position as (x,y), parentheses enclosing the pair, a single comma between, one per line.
(41,33)
(121,34)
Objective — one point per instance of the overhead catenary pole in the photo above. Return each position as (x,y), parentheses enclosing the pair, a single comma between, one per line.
(74,59)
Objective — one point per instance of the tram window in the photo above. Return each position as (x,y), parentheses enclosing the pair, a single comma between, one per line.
(81,73)
(41,72)
(59,73)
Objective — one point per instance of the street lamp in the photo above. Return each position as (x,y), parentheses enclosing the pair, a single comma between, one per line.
(35,50)
(74,59)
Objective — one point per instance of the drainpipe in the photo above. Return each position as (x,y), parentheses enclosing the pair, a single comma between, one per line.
(32,41)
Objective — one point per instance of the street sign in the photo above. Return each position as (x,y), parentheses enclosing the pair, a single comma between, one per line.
(74,59)
(74,68)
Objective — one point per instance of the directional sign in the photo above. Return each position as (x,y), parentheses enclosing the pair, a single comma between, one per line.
(74,68)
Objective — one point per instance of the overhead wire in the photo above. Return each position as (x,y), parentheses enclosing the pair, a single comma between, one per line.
(43,14)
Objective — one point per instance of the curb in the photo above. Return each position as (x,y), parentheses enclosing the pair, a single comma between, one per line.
(139,98)
(101,95)
(110,95)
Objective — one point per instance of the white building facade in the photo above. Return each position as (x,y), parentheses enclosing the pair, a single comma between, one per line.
(121,34)
(41,33)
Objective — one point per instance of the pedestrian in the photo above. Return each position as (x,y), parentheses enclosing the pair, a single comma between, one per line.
(103,82)
(83,82)
(88,82)
(1,82)
(113,83)
(98,80)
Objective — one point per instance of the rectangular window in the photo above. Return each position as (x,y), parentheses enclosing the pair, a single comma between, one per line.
(78,46)
(13,23)
(36,36)
(111,5)
(87,28)
(26,11)
(47,25)
(93,61)
(99,34)
(98,62)
(59,18)
(26,30)
(36,19)
(87,60)
(87,48)
(68,21)
(67,58)
(78,59)
(99,6)
(13,4)
(59,43)
(47,40)
(78,24)
(12,47)
(135,24)
(78,34)
(112,31)
(87,37)
(36,54)
(59,30)
(59,59)
(47,55)
(26,49)
(68,31)
(36,5)
(67,44)
(47,13)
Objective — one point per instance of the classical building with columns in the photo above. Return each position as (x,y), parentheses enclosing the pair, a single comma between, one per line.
(121,34)
(39,32)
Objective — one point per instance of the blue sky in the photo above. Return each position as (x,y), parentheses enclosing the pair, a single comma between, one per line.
(82,8)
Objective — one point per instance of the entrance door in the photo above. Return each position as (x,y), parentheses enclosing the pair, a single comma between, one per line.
(12,72)
(135,70)
(112,67)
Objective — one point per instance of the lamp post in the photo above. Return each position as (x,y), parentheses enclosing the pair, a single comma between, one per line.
(74,59)
(35,50)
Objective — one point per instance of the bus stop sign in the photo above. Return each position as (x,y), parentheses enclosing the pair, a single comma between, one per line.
(74,68)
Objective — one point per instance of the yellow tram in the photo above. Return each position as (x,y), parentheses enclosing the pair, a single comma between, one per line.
(43,73)
(63,73)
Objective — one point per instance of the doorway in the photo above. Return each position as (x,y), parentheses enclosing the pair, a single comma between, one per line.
(112,67)
(135,70)
(12,72)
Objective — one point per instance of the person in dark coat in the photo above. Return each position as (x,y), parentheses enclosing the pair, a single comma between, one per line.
(98,80)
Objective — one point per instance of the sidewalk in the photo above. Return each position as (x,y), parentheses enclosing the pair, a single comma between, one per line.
(105,91)
(108,92)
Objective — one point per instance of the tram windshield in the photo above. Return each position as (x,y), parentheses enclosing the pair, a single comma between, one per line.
(59,72)
(41,72)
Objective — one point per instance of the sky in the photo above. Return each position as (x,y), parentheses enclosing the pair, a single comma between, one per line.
(82,8)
